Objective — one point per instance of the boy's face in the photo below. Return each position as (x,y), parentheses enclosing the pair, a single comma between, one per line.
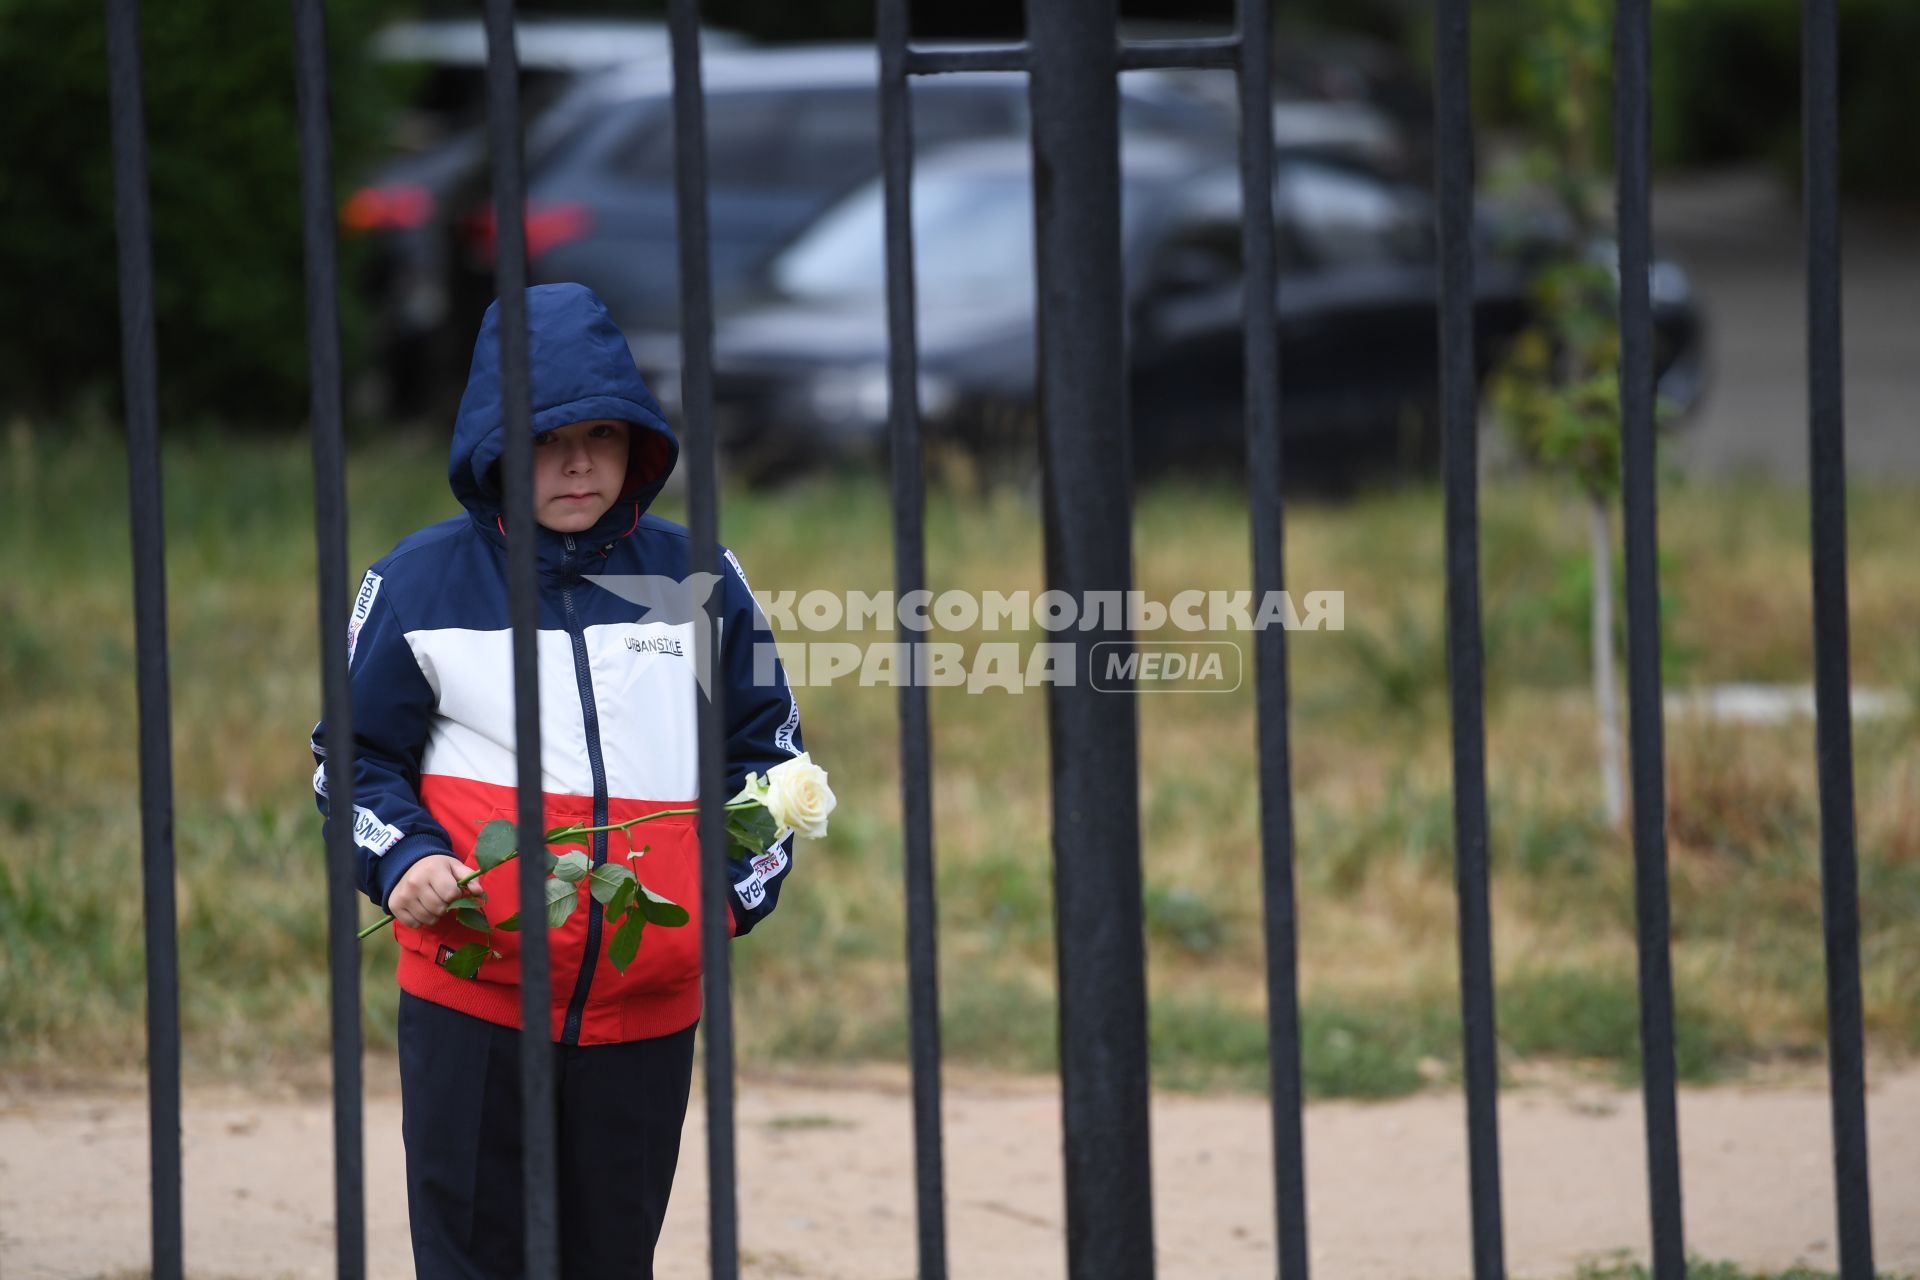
(578,472)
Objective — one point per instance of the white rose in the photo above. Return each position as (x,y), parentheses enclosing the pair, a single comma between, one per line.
(797,795)
(754,788)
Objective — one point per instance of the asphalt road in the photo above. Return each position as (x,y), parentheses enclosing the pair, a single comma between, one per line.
(1739,236)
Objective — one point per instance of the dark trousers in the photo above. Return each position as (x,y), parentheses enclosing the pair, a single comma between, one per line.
(618,1114)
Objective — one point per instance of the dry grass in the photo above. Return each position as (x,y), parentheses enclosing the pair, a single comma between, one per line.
(1370,766)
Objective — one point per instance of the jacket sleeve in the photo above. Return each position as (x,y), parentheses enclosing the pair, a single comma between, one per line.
(763,729)
(392,706)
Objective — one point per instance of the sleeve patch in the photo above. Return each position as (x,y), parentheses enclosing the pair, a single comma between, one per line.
(766,868)
(362,606)
(734,560)
(371,834)
(783,736)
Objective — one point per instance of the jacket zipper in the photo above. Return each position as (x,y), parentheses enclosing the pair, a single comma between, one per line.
(590,716)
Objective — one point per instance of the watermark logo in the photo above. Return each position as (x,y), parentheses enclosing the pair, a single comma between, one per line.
(1104,639)
(1171,666)
(1133,611)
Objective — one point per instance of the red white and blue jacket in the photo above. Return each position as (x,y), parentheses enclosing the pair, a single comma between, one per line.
(433,709)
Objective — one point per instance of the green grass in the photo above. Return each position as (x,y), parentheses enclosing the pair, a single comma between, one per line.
(1700,1269)
(1369,765)
(1595,1016)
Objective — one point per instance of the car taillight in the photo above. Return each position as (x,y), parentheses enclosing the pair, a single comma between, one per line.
(548,226)
(400,207)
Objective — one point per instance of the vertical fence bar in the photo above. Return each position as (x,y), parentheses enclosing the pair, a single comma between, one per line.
(140,372)
(1092,735)
(696,347)
(1264,472)
(1632,141)
(537,1117)
(1458,395)
(1832,682)
(330,541)
(910,575)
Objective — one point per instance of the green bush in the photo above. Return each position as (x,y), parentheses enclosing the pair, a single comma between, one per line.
(223,160)
(1726,84)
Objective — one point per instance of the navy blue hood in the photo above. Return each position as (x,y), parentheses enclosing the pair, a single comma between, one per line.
(581,368)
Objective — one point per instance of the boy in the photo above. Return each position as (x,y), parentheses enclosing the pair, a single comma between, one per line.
(429,651)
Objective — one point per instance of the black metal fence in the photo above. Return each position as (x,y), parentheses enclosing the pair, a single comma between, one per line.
(1073,57)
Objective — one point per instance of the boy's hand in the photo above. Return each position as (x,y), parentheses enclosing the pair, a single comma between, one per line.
(428,889)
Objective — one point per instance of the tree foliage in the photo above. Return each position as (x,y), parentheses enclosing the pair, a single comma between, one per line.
(223,164)
(1726,83)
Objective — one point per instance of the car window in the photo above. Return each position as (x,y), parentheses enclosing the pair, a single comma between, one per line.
(577,119)
(1174,113)
(810,140)
(792,140)
(974,235)
(948,113)
(443,101)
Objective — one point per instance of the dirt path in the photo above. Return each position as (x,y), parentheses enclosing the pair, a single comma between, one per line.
(827,1188)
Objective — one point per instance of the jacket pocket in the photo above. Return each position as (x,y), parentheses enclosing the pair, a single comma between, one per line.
(565,944)
(501,901)
(665,858)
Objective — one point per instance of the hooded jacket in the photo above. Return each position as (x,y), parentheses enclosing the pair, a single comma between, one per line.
(430,664)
